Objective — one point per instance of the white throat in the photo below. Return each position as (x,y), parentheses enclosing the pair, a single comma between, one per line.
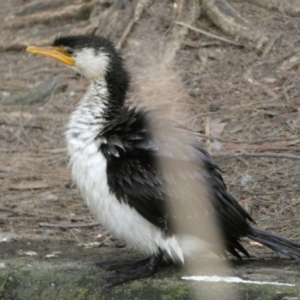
(91,64)
(87,120)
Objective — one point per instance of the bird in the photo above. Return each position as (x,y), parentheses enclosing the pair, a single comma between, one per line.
(116,156)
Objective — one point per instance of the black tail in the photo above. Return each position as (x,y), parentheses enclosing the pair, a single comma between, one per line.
(276,243)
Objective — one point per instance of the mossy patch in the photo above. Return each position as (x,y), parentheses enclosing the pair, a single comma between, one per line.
(73,275)
(175,291)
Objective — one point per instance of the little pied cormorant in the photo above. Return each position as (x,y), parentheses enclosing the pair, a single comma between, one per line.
(114,161)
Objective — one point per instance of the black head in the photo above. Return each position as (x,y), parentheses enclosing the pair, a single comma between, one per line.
(96,58)
(76,43)
(93,57)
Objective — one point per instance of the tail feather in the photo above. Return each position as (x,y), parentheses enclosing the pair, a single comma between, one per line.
(276,243)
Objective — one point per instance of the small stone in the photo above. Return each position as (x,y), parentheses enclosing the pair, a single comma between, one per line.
(214,106)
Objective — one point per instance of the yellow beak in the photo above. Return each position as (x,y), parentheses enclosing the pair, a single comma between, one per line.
(53,52)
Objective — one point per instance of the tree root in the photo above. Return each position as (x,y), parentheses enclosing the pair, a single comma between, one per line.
(112,21)
(187,13)
(116,19)
(289,7)
(209,34)
(231,22)
(71,12)
(139,9)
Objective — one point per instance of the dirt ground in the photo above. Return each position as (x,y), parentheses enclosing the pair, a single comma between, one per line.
(57,269)
(247,99)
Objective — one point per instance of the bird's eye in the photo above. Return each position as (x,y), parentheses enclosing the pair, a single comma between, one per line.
(70,51)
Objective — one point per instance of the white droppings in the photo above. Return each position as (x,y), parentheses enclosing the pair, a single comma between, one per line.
(28,253)
(72,94)
(50,255)
(215,278)
(216,145)
(53,254)
(246,179)
(90,245)
(4,94)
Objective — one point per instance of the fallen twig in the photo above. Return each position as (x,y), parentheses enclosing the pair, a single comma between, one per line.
(211,35)
(261,148)
(22,212)
(207,134)
(252,141)
(54,151)
(257,141)
(269,46)
(69,225)
(201,44)
(38,94)
(23,125)
(266,154)
(242,160)
(140,7)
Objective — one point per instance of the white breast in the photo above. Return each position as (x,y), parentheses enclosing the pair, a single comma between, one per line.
(88,166)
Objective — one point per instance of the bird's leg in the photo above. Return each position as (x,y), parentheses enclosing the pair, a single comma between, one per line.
(140,269)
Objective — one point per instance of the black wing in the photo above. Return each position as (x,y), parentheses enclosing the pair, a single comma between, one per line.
(153,163)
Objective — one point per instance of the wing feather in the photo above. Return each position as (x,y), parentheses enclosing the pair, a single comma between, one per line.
(136,145)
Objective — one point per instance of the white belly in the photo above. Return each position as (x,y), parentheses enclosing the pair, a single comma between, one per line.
(89,173)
